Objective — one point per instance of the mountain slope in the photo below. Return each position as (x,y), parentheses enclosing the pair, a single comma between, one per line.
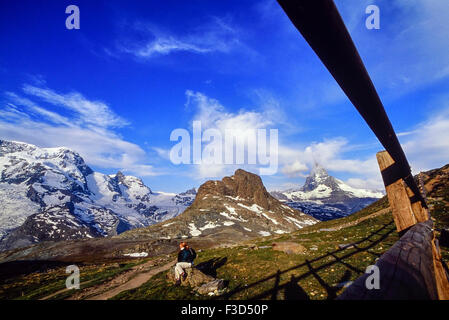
(51,194)
(325,197)
(236,207)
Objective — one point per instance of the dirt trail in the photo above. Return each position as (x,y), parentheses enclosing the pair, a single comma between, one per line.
(61,291)
(129,279)
(132,283)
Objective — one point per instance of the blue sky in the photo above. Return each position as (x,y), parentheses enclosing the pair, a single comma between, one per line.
(136,70)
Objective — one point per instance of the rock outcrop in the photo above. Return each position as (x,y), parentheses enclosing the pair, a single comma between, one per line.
(198,281)
(235,208)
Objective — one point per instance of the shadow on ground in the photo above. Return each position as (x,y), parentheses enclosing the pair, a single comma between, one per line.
(293,291)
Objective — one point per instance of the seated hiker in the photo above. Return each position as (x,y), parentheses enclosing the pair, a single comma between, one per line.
(186,256)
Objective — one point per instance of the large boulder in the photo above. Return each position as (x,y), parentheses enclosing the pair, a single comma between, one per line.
(211,287)
(199,281)
(195,278)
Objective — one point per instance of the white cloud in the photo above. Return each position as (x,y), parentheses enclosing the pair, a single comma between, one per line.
(213,115)
(92,113)
(294,160)
(295,169)
(88,131)
(49,115)
(216,36)
(427,146)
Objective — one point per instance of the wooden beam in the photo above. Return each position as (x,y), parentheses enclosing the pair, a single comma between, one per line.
(441,277)
(398,197)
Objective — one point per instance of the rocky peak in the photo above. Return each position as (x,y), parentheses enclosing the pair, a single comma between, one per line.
(120,177)
(242,184)
(319,176)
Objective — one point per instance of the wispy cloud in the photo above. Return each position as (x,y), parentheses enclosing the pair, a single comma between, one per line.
(88,128)
(215,36)
(92,113)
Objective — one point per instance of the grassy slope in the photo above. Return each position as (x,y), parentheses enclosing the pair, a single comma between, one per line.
(254,270)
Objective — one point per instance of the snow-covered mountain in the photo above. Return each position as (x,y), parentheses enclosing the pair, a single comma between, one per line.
(51,194)
(232,209)
(325,197)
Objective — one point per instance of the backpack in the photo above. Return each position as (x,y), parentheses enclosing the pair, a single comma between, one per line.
(192,254)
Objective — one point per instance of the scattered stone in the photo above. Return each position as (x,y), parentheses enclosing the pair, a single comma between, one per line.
(326,229)
(346,246)
(289,247)
(142,254)
(211,287)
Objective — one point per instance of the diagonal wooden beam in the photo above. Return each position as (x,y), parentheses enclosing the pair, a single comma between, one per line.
(324,30)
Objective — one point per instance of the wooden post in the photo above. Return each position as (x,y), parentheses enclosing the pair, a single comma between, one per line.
(397,194)
(421,213)
(407,214)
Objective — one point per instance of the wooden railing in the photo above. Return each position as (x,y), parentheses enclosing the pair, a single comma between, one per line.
(415,260)
(412,268)
(407,271)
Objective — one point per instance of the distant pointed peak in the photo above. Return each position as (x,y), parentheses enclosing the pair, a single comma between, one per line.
(119,176)
(318,170)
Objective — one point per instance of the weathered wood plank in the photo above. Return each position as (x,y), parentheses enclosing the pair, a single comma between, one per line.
(421,213)
(398,197)
(406,270)
(441,276)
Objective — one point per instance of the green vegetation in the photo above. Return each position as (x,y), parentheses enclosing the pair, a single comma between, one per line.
(262,273)
(37,285)
(158,289)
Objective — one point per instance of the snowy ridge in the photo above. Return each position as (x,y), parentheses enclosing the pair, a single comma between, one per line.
(39,186)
